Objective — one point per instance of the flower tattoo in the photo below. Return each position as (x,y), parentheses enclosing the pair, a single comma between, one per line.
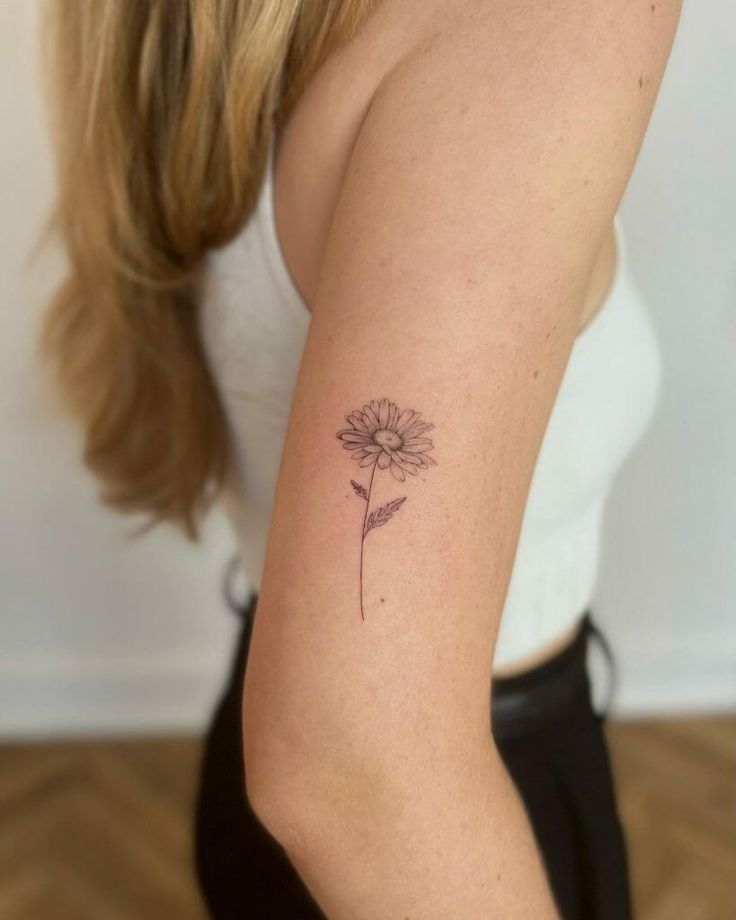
(382,437)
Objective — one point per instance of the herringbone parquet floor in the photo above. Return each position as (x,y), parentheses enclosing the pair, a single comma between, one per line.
(101,830)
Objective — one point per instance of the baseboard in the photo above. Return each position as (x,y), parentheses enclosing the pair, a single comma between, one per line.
(678,685)
(55,697)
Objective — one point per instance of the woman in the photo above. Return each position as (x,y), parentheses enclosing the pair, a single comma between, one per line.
(393,225)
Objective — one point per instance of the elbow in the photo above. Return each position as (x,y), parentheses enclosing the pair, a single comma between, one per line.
(342,798)
(274,781)
(268,791)
(307,802)
(323,789)
(308,774)
(278,793)
(288,785)
(323,775)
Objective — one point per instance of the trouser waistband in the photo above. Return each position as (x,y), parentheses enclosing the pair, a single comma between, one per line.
(532,699)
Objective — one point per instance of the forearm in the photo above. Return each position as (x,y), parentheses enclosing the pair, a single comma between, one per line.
(449,844)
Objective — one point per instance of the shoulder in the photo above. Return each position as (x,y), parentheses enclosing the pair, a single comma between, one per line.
(520,64)
(504,128)
(555,93)
(513,38)
(525,109)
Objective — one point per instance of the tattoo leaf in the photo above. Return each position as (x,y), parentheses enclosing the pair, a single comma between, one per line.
(359,489)
(383,515)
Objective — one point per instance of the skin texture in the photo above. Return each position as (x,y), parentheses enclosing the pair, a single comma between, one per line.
(483,177)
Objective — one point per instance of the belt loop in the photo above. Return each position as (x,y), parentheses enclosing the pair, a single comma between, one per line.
(243,608)
(593,631)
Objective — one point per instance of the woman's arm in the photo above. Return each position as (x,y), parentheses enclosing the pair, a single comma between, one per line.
(483,179)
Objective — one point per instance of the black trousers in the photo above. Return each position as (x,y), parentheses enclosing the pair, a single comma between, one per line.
(552,741)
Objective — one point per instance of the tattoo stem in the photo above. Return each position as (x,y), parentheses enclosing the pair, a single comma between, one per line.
(362,536)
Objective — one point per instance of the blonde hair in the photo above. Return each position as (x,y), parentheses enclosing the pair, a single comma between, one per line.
(161,116)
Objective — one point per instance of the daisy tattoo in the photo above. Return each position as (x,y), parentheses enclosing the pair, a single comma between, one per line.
(382,437)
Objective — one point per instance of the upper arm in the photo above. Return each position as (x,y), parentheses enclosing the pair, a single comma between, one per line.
(484,176)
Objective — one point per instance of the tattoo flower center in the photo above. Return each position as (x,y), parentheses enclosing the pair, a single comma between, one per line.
(389,439)
(382,437)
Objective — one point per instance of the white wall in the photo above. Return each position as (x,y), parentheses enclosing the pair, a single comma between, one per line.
(667,591)
(97,634)
(95,631)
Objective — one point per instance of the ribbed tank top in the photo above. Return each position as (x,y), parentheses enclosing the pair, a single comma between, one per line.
(253,324)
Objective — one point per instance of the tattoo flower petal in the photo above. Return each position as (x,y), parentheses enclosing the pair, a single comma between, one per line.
(388,433)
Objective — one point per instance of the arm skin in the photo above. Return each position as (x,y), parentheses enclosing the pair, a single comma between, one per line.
(483,179)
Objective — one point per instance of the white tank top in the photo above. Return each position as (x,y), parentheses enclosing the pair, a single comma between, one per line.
(254,322)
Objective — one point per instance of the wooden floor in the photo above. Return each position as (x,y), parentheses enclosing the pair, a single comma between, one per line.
(101,831)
